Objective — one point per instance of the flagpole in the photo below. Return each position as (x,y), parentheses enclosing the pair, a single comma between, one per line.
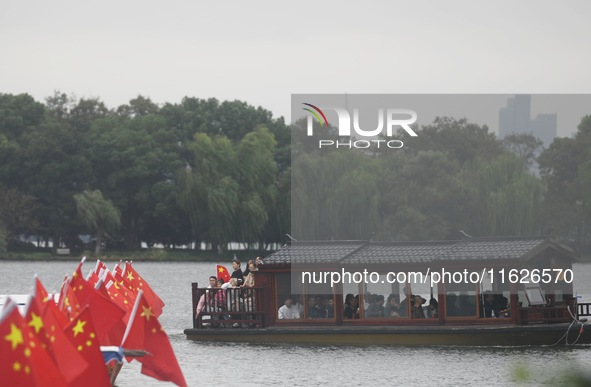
(132,315)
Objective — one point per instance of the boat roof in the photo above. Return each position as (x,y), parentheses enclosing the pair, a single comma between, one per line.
(370,252)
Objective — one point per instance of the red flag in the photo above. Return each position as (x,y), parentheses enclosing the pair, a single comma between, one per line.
(118,272)
(145,332)
(68,302)
(23,362)
(223,273)
(118,294)
(100,268)
(138,283)
(40,292)
(82,334)
(48,331)
(92,278)
(60,318)
(105,314)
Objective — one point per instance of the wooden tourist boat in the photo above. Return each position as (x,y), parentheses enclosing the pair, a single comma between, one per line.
(512,302)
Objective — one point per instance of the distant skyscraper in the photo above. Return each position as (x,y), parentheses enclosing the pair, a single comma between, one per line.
(544,127)
(515,118)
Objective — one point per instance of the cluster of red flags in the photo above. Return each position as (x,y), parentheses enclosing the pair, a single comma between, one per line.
(59,343)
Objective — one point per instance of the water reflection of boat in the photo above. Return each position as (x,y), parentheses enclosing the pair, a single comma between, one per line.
(521,294)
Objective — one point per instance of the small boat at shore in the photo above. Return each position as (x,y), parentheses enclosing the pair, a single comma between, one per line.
(480,292)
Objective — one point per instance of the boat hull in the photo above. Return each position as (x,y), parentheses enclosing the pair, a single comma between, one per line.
(510,335)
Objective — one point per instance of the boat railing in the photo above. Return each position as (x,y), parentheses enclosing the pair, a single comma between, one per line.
(227,308)
(558,313)
(544,314)
(583,309)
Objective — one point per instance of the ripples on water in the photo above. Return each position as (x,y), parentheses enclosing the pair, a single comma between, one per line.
(291,365)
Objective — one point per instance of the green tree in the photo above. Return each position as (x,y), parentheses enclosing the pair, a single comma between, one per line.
(17,213)
(209,190)
(98,214)
(525,146)
(511,197)
(130,158)
(564,167)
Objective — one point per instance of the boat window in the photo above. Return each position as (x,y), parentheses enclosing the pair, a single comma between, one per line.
(493,298)
(319,301)
(284,290)
(429,298)
(460,300)
(382,299)
(351,293)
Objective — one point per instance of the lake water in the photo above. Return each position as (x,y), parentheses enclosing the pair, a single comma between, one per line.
(292,365)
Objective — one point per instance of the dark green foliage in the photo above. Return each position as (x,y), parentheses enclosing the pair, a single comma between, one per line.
(219,172)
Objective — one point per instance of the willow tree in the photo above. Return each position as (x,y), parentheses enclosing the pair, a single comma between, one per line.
(228,189)
(99,214)
(511,197)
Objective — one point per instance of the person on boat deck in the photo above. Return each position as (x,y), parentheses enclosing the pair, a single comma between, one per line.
(210,295)
(490,305)
(503,305)
(380,303)
(403,308)
(288,311)
(392,308)
(300,305)
(431,309)
(247,293)
(329,307)
(202,305)
(232,298)
(373,308)
(249,275)
(237,273)
(416,310)
(350,311)
(314,309)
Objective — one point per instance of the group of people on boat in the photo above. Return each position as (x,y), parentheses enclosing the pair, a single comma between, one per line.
(492,305)
(378,307)
(235,295)
(318,306)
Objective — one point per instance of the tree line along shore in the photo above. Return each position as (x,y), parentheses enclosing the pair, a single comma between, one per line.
(207,173)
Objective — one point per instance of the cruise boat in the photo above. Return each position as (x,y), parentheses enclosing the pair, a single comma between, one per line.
(474,291)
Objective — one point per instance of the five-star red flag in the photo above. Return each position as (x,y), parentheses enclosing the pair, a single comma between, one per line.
(117,293)
(49,332)
(68,302)
(40,292)
(82,334)
(137,283)
(223,273)
(105,314)
(23,362)
(145,332)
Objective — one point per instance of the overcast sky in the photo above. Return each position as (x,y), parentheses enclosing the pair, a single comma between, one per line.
(263,51)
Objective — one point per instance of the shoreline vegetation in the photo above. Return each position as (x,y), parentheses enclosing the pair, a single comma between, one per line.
(203,172)
(144,255)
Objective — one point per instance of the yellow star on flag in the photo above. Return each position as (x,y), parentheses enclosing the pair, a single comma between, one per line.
(130,276)
(79,328)
(147,313)
(36,322)
(221,270)
(15,336)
